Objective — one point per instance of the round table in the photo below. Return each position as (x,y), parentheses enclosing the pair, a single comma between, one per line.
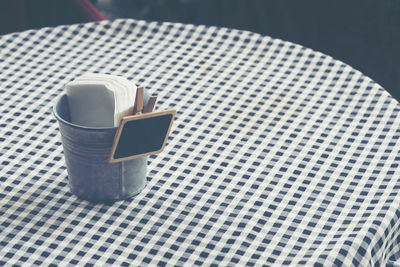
(278,154)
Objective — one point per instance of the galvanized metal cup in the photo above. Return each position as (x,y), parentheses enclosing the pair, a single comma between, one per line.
(86,152)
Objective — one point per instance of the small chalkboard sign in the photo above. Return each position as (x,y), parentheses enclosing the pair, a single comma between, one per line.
(141,135)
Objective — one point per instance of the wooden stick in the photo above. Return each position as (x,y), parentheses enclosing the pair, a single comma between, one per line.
(138,101)
(150,104)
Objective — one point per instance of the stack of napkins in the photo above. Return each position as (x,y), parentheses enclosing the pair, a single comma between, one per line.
(100,100)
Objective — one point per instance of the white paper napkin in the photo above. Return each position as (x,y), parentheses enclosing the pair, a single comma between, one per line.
(100,100)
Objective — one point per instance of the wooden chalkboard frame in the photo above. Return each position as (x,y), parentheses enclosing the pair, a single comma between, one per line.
(139,117)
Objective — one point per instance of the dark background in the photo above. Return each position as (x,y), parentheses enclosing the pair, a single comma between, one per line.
(362,33)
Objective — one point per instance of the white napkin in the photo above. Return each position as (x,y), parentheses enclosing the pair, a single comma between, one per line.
(100,100)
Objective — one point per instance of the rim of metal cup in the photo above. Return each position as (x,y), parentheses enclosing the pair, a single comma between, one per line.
(59,118)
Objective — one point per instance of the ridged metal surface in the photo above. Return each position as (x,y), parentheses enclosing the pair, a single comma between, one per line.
(86,152)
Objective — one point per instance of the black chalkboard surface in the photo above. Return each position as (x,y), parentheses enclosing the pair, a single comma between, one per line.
(141,135)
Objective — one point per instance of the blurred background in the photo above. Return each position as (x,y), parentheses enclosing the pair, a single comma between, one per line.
(362,33)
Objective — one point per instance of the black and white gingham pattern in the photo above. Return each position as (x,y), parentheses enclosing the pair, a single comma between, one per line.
(278,155)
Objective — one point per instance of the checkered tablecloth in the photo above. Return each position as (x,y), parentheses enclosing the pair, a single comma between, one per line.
(278,154)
